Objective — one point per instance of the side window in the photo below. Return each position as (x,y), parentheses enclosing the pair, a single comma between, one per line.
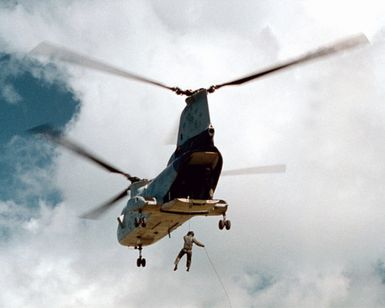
(121,220)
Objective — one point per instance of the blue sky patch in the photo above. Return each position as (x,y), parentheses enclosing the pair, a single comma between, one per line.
(27,99)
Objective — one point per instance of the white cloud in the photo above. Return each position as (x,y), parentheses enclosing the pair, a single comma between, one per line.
(316,231)
(9,94)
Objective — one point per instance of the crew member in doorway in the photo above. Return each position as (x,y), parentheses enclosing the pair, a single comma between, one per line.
(189,240)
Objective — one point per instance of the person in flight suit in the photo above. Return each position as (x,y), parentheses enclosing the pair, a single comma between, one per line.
(189,240)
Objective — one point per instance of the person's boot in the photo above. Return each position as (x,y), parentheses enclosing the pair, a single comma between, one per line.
(176,263)
(188,269)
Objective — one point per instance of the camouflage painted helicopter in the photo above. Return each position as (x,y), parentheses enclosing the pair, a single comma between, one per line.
(185,188)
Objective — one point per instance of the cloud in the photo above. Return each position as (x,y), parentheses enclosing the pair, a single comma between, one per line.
(311,237)
(10,95)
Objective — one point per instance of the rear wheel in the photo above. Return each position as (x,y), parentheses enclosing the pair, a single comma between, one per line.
(221,224)
(228,224)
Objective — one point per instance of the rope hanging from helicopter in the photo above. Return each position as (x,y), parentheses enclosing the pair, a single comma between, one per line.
(219,278)
(214,269)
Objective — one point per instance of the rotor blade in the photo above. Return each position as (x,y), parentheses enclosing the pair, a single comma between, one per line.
(98,211)
(47,131)
(69,56)
(341,45)
(256,170)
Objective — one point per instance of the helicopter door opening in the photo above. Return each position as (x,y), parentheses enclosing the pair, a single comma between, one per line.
(195,179)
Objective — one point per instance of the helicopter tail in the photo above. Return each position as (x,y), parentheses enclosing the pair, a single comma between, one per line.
(195,118)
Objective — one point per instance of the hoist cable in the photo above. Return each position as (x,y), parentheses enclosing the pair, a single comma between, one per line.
(219,278)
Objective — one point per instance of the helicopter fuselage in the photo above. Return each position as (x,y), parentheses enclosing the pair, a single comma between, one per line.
(185,188)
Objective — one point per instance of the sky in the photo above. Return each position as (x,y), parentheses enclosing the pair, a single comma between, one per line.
(312,237)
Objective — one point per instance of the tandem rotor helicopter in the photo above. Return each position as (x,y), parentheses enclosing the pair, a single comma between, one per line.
(185,188)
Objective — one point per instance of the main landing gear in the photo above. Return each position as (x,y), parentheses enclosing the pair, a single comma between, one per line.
(224,223)
(140,261)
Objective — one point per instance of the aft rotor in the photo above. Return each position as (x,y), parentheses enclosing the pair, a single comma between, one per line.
(66,55)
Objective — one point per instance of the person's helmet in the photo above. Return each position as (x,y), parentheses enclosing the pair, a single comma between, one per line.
(190,233)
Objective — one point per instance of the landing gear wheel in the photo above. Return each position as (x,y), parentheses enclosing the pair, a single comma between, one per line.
(143,222)
(140,261)
(224,223)
(221,224)
(228,224)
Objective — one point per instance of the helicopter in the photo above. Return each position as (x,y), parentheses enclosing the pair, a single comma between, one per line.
(185,188)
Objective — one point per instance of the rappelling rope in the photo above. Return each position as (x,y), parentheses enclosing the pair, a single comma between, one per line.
(219,278)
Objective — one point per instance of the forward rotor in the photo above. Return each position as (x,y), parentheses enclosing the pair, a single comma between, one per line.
(55,136)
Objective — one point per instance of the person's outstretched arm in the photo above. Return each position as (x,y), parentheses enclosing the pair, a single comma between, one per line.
(197,242)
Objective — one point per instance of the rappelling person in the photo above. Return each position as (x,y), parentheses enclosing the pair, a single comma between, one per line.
(189,239)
